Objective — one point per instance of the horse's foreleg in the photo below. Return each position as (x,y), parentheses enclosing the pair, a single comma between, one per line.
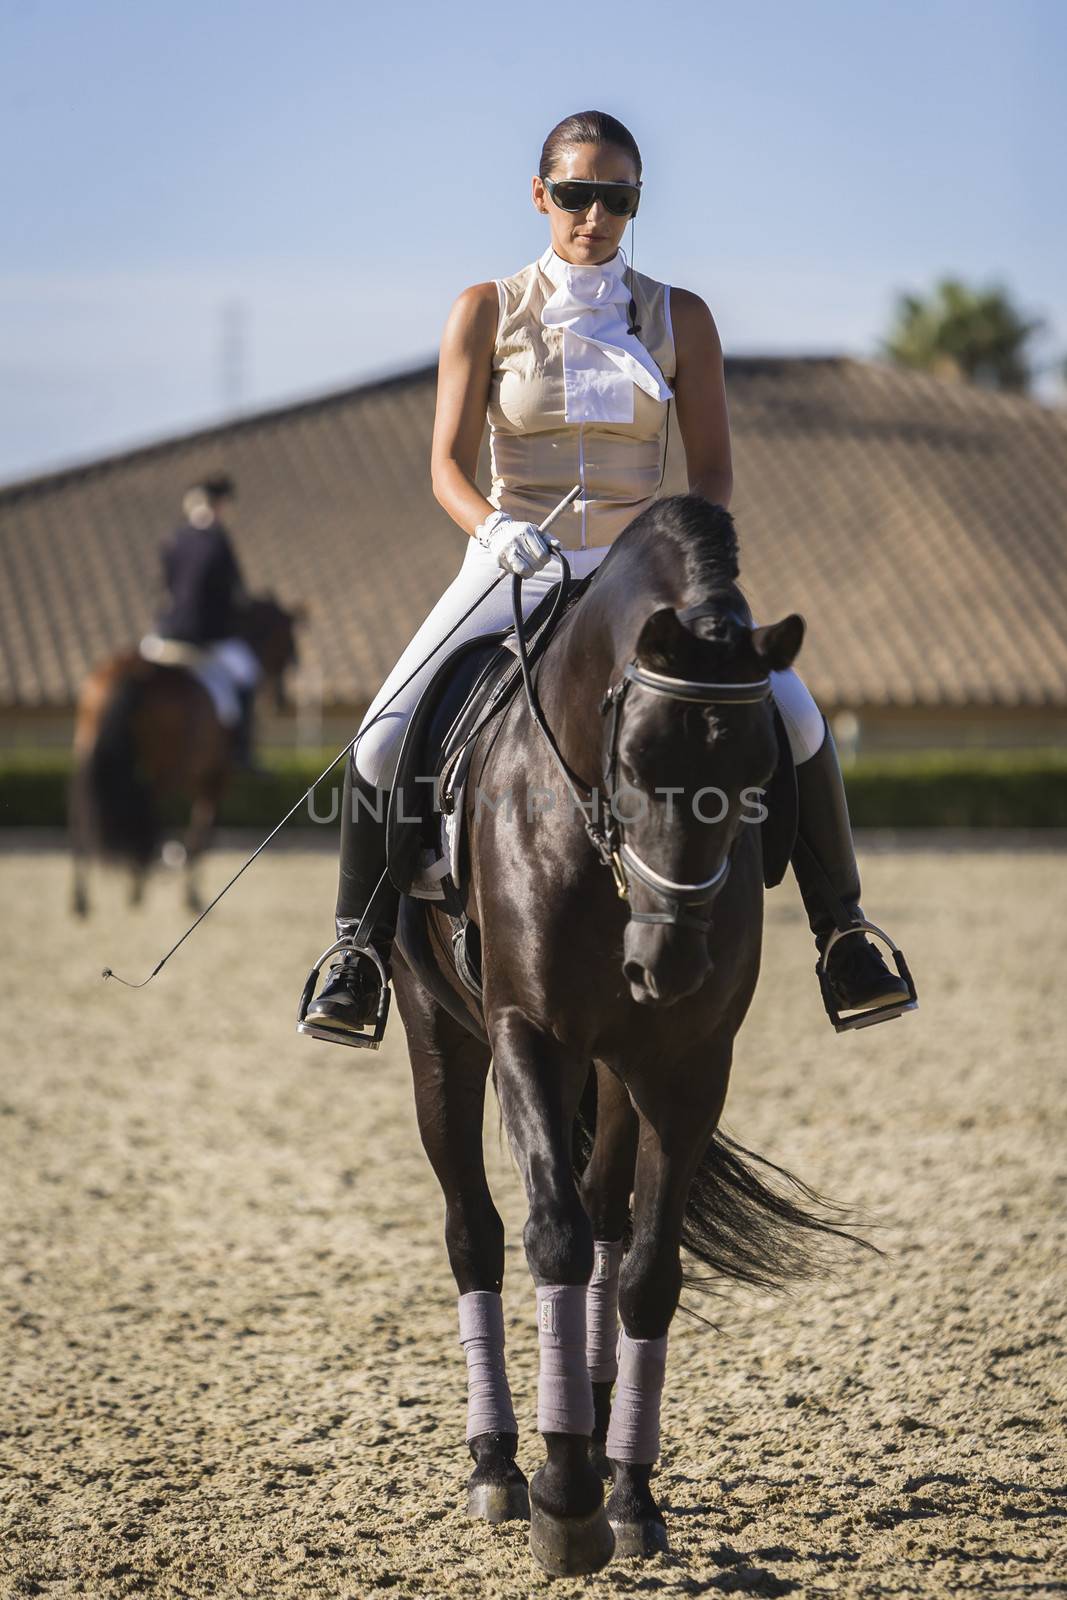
(606,1187)
(79,827)
(450,1068)
(650,1285)
(539,1086)
(79,898)
(202,815)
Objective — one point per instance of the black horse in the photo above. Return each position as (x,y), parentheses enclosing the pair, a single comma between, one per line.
(655,692)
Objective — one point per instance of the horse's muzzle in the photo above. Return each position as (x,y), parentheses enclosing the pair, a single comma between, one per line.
(663,964)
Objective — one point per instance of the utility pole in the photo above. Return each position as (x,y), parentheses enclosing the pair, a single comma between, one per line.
(233,356)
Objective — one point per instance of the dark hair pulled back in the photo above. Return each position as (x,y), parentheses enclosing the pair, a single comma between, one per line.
(218,486)
(586,127)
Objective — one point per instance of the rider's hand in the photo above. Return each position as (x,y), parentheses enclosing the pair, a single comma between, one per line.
(519,547)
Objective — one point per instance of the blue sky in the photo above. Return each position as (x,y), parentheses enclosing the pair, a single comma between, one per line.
(342,171)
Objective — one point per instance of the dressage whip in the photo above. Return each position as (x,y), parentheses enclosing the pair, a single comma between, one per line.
(340,756)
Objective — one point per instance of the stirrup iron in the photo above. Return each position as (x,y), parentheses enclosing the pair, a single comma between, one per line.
(882,1013)
(356,1038)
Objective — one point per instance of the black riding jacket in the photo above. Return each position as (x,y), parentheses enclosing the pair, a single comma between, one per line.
(203,584)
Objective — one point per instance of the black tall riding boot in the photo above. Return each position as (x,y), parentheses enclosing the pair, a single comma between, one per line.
(824,861)
(367,903)
(244,732)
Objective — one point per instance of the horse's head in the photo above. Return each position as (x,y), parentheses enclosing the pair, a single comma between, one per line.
(695,749)
(270,630)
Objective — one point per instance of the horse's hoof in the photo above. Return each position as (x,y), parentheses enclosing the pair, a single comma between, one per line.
(499,1502)
(568,1546)
(496,1489)
(641,1539)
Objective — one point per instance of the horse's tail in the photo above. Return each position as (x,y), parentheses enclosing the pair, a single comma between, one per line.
(120,802)
(767,1234)
(738,1225)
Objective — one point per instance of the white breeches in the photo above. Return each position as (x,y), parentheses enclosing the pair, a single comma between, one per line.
(238,659)
(225,668)
(378,749)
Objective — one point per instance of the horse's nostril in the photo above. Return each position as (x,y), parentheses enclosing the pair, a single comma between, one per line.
(640,976)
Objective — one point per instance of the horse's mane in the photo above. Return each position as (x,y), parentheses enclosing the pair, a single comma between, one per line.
(703,552)
(258,614)
(706,541)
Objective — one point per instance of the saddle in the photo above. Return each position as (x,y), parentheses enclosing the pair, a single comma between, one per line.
(475,682)
(425,838)
(209,673)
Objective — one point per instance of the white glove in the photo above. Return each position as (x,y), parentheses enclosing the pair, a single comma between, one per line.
(518,547)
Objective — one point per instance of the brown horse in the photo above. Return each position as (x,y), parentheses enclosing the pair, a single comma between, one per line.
(146,734)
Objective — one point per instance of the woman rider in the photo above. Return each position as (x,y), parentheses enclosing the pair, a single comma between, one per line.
(573,395)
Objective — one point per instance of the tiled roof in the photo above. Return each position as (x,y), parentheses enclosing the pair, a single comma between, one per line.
(920,526)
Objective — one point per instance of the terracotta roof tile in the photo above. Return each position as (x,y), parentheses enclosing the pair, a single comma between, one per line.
(919,526)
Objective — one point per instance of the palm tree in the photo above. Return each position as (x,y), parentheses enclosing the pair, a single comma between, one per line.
(959,332)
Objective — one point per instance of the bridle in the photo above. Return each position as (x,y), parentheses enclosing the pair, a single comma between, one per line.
(607,836)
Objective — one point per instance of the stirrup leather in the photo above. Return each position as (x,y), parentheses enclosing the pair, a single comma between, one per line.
(367,1039)
(883,1013)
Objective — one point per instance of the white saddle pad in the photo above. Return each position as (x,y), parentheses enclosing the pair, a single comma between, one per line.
(436,864)
(211,673)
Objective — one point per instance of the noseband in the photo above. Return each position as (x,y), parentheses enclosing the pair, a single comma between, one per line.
(607,837)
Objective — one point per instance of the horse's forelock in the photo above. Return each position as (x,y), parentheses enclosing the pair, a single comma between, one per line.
(698,648)
(724,627)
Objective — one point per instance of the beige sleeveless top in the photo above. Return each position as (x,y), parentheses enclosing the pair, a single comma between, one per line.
(536,455)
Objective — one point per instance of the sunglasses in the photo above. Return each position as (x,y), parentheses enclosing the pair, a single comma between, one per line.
(578,194)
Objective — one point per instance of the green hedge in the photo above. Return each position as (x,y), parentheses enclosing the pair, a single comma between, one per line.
(33,791)
(960,789)
(967,789)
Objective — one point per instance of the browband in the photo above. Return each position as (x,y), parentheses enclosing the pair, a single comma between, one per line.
(693,689)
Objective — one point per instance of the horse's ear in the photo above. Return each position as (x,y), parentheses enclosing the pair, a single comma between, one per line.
(657,643)
(778,644)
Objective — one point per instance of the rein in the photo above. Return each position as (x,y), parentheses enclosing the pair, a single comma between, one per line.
(607,837)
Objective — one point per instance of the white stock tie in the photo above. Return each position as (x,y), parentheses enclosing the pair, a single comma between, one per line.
(601,360)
